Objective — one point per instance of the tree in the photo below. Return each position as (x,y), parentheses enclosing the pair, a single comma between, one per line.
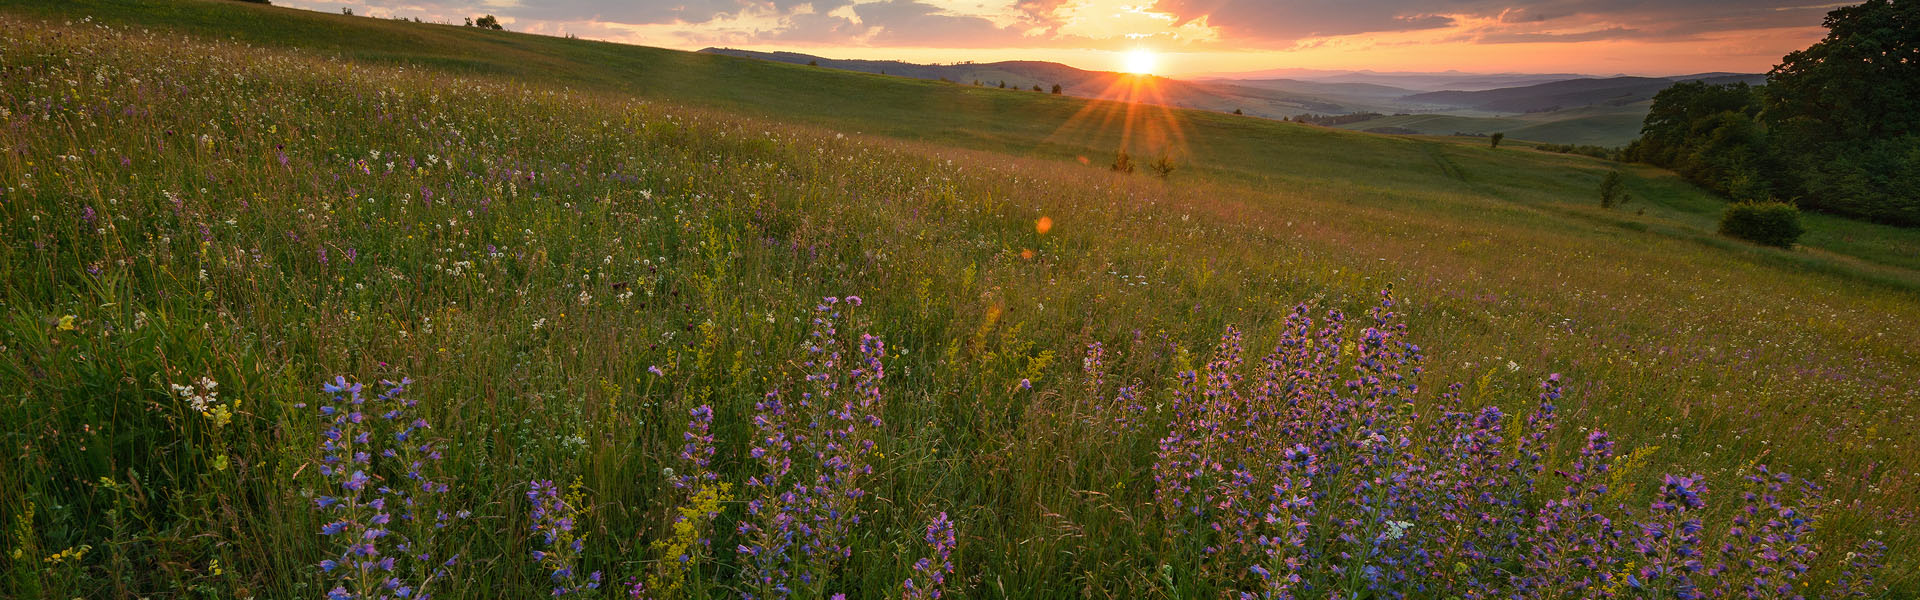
(346,11)
(488,22)
(1496,139)
(1056,88)
(1036,87)
(813,63)
(1710,135)
(1673,126)
(1123,163)
(1237,112)
(1844,114)
(1003,84)
(1613,191)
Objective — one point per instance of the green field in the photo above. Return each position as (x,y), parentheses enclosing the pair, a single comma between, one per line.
(571,247)
(1608,126)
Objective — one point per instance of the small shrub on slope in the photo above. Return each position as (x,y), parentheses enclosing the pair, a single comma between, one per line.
(1769,223)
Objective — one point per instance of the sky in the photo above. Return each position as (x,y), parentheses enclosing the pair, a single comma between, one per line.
(1190,37)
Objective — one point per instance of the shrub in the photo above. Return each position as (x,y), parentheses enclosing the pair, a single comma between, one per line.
(1162,166)
(1771,223)
(1613,191)
(1496,139)
(1123,162)
(1056,88)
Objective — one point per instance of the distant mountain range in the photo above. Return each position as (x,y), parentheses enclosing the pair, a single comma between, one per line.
(1554,107)
(1571,93)
(1410,80)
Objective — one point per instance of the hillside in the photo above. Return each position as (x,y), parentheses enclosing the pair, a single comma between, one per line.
(700,325)
(1557,95)
(1418,81)
(1610,126)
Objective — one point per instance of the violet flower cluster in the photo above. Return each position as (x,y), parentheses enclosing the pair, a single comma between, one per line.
(554,520)
(379,499)
(812,450)
(1313,474)
(930,573)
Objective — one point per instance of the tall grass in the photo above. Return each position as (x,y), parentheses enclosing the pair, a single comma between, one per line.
(579,286)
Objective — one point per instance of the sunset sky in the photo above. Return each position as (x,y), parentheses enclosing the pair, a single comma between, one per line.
(1191,37)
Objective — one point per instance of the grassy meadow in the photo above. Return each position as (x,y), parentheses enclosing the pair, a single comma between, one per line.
(1610,126)
(597,264)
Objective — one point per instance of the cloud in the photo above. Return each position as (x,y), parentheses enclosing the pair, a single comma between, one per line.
(1292,20)
(817,28)
(913,23)
(1285,22)
(1610,33)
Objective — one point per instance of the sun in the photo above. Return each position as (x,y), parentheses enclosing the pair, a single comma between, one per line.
(1139,61)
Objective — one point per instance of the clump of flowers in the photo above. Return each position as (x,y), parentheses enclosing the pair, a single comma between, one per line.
(379,498)
(554,519)
(1669,541)
(690,541)
(203,396)
(813,454)
(1315,476)
(930,573)
(1857,580)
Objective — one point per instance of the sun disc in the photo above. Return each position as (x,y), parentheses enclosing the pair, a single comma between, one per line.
(1140,61)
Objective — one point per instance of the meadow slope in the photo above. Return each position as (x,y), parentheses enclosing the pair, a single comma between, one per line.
(569,253)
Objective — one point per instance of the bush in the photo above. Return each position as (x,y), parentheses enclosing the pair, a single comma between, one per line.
(1613,191)
(1163,166)
(1123,162)
(1770,223)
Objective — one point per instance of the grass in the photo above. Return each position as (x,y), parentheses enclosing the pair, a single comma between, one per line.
(530,234)
(1610,126)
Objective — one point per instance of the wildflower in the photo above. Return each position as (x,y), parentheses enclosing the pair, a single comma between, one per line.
(930,573)
(798,523)
(378,525)
(553,519)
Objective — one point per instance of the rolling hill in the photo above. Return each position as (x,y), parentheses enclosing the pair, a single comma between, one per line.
(1609,126)
(1557,95)
(1420,81)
